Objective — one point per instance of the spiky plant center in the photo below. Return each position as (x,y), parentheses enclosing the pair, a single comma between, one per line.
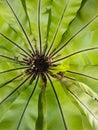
(38,64)
(41,63)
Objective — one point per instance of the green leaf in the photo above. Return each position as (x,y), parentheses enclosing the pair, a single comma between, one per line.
(86,98)
(65,27)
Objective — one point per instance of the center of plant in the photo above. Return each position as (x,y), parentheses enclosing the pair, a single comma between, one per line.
(38,64)
(41,63)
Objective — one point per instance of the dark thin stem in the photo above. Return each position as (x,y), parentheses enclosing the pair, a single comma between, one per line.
(62,47)
(75,53)
(82,103)
(81,74)
(22,62)
(15,44)
(69,78)
(58,102)
(6,71)
(21,26)
(15,90)
(23,55)
(13,59)
(39,28)
(11,80)
(33,78)
(7,57)
(27,104)
(45,48)
(55,35)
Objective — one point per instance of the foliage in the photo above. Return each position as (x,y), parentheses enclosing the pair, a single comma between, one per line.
(66,97)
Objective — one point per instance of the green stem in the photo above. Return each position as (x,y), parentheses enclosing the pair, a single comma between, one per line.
(41,120)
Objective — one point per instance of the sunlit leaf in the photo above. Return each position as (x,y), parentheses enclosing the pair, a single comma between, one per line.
(48,64)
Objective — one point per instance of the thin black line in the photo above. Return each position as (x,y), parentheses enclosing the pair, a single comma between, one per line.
(7,57)
(22,62)
(69,78)
(62,47)
(11,80)
(60,108)
(6,71)
(33,78)
(27,104)
(21,26)
(15,44)
(14,90)
(23,55)
(82,74)
(55,35)
(75,53)
(44,49)
(13,59)
(39,28)
(82,103)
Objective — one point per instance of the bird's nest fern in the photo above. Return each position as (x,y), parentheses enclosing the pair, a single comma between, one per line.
(48,55)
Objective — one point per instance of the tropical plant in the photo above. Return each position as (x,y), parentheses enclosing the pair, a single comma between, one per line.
(48,64)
